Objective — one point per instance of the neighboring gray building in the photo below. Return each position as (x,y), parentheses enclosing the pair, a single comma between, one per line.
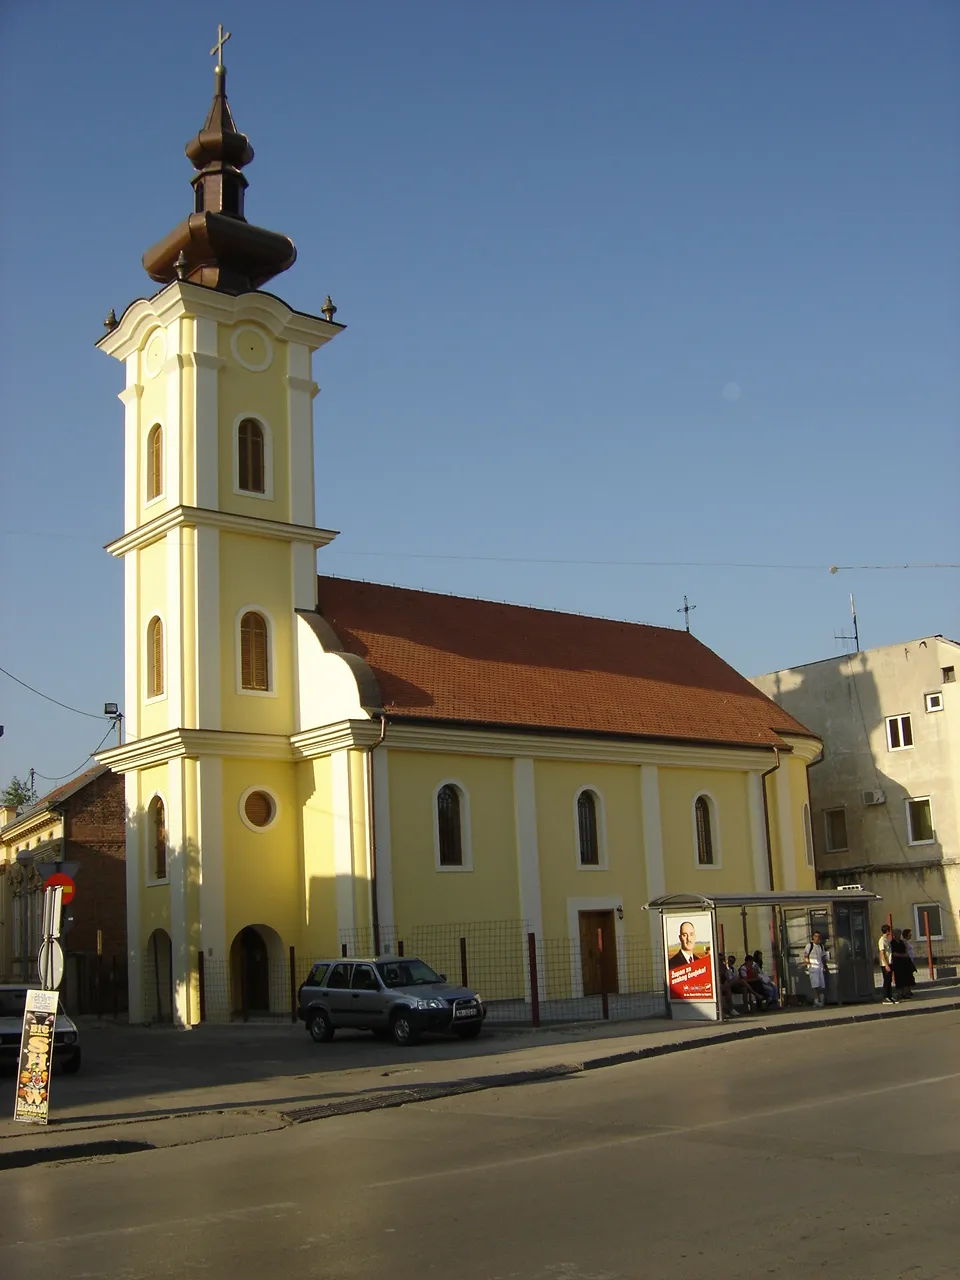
(886,798)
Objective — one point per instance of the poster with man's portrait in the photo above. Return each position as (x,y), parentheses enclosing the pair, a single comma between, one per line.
(689,961)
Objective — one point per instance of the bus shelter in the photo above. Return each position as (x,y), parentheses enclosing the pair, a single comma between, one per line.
(696,929)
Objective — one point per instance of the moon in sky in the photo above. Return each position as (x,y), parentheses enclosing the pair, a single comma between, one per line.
(731,392)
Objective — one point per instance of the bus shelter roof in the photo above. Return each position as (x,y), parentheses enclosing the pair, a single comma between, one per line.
(770,898)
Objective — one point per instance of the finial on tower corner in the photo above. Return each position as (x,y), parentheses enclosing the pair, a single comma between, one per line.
(181,266)
(111,321)
(222,38)
(328,310)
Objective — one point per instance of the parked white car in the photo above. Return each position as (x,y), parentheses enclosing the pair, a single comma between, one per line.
(66,1037)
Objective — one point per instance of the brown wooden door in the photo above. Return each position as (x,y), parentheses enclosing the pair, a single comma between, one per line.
(598,953)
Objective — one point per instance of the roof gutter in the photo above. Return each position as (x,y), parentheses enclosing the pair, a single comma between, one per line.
(766,812)
(372,829)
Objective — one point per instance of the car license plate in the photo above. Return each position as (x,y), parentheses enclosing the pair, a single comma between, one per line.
(465,1013)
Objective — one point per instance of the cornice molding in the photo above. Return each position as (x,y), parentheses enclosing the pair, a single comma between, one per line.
(194,743)
(201,360)
(303,384)
(224,520)
(131,393)
(27,824)
(181,298)
(335,737)
(805,749)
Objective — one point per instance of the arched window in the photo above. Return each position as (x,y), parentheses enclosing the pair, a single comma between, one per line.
(157,829)
(250,454)
(807,835)
(254,665)
(704,833)
(155,462)
(155,658)
(450,826)
(587,829)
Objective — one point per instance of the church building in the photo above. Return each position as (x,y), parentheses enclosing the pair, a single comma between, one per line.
(313,762)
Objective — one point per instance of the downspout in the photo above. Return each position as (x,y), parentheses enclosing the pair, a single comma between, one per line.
(766,812)
(372,828)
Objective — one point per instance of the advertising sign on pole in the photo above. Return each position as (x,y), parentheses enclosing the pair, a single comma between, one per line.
(36,1057)
(688,955)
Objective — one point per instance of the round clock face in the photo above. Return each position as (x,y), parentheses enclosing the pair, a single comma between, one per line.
(155,353)
(251,348)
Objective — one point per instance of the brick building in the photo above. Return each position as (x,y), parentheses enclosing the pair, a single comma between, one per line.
(82,823)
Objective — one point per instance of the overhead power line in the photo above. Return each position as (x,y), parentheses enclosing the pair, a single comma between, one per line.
(630,564)
(40,694)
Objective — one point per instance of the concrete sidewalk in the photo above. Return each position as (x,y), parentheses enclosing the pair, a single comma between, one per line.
(157,1087)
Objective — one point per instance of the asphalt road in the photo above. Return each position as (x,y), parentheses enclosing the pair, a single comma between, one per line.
(827,1153)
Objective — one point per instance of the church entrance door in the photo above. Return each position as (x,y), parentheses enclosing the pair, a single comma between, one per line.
(254,972)
(598,953)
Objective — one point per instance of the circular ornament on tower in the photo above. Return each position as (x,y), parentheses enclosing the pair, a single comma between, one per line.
(251,348)
(155,353)
(258,808)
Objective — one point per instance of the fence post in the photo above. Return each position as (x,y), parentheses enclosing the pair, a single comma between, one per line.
(100,985)
(604,1002)
(534,983)
(343,950)
(463,963)
(293,985)
(113,984)
(202,986)
(400,948)
(926,930)
(890,921)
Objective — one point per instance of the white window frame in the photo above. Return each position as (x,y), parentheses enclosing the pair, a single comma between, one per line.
(274,800)
(808,836)
(835,808)
(148,698)
(905,715)
(150,880)
(600,806)
(267,495)
(159,497)
(466,841)
(933,701)
(714,811)
(918,910)
(270,692)
(933,826)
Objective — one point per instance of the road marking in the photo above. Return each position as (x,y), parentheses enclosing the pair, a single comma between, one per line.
(673,1132)
(207,1219)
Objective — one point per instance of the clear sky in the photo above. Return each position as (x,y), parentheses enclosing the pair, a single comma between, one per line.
(625,282)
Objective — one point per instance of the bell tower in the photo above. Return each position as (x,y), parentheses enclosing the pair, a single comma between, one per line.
(219,550)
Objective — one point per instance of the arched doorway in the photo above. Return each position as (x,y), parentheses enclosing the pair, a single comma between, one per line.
(256,956)
(158,978)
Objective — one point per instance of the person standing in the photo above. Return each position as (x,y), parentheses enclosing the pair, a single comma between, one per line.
(901,965)
(886,963)
(908,939)
(815,960)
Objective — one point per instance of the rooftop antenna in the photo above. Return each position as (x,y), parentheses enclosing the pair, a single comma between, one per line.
(686,611)
(838,635)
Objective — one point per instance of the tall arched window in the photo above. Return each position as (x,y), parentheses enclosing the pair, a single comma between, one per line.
(250,456)
(450,826)
(155,658)
(704,833)
(157,835)
(254,662)
(587,830)
(155,462)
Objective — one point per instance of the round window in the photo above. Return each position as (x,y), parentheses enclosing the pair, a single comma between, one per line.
(259,809)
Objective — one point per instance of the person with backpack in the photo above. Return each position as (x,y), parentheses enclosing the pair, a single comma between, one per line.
(815,962)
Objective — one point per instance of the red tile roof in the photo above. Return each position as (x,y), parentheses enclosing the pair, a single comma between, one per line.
(446,658)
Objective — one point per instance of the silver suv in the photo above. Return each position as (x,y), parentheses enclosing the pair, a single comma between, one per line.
(389,995)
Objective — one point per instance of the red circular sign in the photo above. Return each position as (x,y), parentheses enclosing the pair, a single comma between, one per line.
(69,888)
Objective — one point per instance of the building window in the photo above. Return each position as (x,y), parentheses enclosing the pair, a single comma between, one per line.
(701,813)
(450,826)
(155,658)
(157,835)
(254,659)
(835,830)
(919,821)
(933,701)
(155,462)
(948,675)
(935,917)
(807,835)
(250,454)
(588,831)
(899,733)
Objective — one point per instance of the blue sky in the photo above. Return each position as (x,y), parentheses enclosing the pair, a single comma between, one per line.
(624,283)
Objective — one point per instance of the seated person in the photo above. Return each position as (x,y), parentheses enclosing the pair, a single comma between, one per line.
(726,991)
(740,986)
(769,987)
(750,975)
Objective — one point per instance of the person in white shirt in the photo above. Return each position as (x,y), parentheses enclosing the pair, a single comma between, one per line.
(815,960)
(769,989)
(886,963)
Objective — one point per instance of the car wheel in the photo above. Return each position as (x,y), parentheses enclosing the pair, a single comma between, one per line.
(72,1065)
(402,1029)
(320,1027)
(468,1033)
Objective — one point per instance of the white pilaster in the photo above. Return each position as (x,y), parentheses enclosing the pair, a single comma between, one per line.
(131,644)
(207,364)
(134,863)
(174,638)
(652,845)
(528,853)
(384,855)
(300,392)
(174,444)
(758,837)
(343,841)
(130,399)
(785,827)
(213,900)
(177,859)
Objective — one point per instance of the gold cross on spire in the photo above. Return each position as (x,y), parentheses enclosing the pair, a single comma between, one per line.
(222,38)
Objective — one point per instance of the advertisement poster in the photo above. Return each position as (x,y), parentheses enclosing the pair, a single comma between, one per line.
(36,1057)
(688,960)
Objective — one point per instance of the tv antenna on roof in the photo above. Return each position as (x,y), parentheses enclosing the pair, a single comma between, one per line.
(838,635)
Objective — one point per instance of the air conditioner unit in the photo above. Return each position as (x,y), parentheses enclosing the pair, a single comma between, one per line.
(874,797)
